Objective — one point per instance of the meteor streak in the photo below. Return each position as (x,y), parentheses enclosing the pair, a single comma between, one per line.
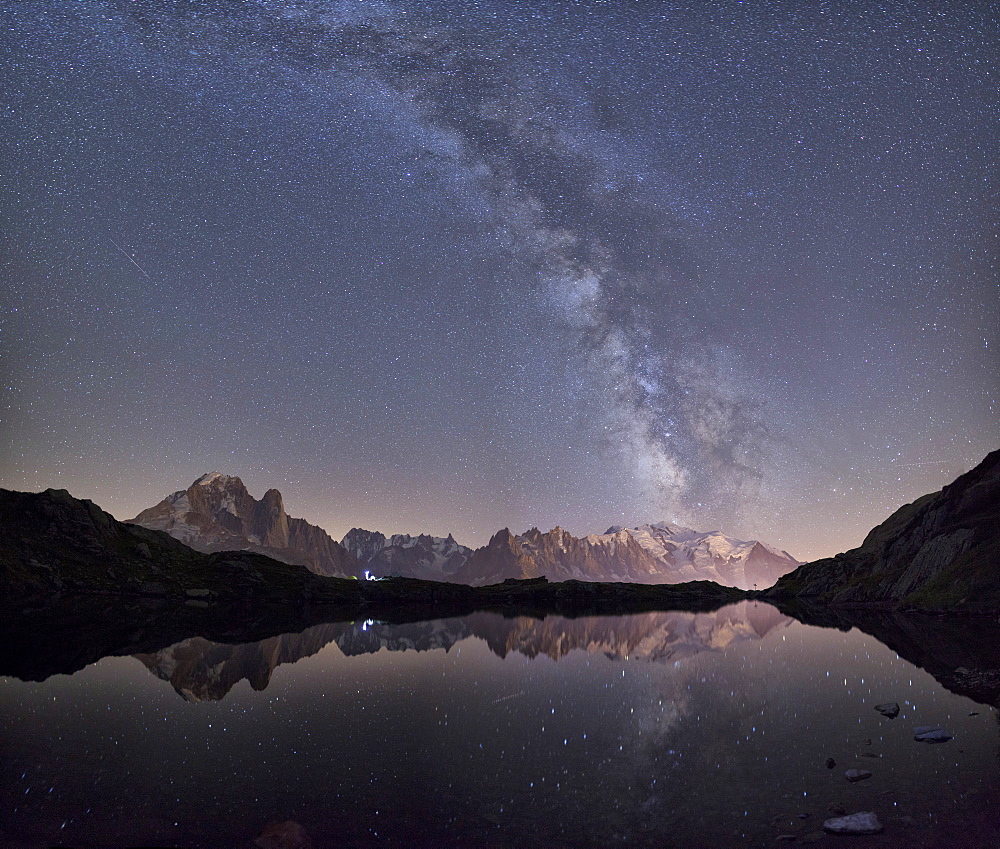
(142,270)
(929,463)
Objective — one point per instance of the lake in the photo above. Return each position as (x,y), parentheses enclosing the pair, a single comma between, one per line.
(657,729)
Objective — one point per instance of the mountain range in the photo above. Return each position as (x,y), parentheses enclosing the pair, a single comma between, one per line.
(650,554)
(217,513)
(939,553)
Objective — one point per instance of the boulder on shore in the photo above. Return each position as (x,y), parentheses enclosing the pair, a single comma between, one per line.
(931,734)
(863,822)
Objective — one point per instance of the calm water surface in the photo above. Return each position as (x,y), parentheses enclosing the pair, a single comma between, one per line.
(660,729)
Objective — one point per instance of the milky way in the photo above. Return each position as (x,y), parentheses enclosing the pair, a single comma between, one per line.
(463,265)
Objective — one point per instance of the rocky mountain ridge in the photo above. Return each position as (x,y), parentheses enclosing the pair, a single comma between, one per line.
(425,557)
(217,513)
(53,544)
(650,554)
(942,551)
(55,547)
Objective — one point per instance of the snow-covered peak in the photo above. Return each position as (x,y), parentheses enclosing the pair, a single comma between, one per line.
(212,477)
(688,554)
(777,552)
(671,528)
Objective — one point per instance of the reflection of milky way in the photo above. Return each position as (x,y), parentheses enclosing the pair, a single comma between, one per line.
(721,747)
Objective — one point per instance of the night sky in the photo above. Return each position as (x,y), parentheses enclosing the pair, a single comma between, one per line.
(454,266)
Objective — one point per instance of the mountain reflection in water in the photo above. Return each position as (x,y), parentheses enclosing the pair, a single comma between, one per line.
(200,669)
(652,730)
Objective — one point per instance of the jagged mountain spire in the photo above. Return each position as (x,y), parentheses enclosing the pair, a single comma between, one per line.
(217,513)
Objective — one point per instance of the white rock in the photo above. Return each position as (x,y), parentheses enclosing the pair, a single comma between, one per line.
(931,734)
(863,822)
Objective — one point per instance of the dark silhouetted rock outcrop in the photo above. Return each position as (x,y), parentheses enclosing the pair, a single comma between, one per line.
(942,552)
